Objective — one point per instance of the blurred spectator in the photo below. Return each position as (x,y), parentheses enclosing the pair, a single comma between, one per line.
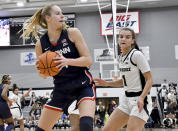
(155,116)
(101,111)
(106,117)
(33,98)
(149,123)
(98,122)
(35,110)
(171,107)
(163,92)
(170,121)
(172,88)
(172,96)
(112,106)
(165,83)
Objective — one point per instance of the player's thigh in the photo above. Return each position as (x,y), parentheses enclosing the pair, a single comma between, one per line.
(135,124)
(117,120)
(87,108)
(48,118)
(1,122)
(74,122)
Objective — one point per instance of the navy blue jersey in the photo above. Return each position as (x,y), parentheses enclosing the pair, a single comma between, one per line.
(68,50)
(1,89)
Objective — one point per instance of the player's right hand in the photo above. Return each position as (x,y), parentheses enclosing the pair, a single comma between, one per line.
(10,102)
(100,82)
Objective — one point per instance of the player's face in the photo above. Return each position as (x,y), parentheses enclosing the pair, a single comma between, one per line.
(9,81)
(57,18)
(125,39)
(16,91)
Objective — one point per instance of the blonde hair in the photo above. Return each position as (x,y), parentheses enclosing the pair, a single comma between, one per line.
(37,19)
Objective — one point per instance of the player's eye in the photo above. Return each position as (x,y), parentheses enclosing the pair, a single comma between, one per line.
(120,36)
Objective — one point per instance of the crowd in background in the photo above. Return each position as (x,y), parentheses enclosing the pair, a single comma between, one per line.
(164,113)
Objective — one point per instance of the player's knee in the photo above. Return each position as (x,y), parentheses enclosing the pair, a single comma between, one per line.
(39,129)
(86,123)
(10,126)
(1,127)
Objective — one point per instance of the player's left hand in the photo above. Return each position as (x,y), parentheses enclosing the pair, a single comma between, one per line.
(63,62)
(29,89)
(140,104)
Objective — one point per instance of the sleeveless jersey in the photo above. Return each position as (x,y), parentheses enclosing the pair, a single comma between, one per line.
(68,50)
(1,99)
(132,65)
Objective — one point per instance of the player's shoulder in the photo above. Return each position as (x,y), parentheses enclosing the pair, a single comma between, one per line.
(73,30)
(136,53)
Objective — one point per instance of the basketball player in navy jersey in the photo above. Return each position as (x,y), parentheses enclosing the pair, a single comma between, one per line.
(5,114)
(135,104)
(72,83)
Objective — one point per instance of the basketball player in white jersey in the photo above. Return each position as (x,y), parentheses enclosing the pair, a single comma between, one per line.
(135,105)
(16,105)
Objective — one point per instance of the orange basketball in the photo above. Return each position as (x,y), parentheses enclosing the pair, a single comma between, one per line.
(46,64)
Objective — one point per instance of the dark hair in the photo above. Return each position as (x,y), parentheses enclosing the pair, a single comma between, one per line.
(14,87)
(134,45)
(5,78)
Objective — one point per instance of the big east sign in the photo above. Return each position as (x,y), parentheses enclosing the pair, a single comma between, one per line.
(131,21)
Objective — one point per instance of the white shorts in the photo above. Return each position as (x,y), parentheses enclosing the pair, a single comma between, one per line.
(16,113)
(129,106)
(72,110)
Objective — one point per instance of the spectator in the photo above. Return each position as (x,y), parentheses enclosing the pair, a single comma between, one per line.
(155,116)
(101,111)
(32,99)
(163,91)
(165,83)
(111,107)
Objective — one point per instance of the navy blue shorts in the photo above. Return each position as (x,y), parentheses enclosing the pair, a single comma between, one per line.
(4,111)
(80,89)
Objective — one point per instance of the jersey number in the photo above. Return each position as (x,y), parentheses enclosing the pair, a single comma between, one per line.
(125,83)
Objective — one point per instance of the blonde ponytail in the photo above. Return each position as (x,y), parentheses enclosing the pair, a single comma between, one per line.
(37,19)
(30,26)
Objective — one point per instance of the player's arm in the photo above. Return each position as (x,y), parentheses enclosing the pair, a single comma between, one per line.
(148,85)
(144,67)
(38,50)
(4,93)
(27,93)
(141,62)
(85,59)
(100,82)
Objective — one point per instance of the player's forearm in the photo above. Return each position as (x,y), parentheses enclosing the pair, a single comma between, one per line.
(84,61)
(26,94)
(117,83)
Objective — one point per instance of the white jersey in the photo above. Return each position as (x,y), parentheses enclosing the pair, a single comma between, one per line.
(16,98)
(130,66)
(16,107)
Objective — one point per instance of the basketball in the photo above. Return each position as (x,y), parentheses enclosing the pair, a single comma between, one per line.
(46,64)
